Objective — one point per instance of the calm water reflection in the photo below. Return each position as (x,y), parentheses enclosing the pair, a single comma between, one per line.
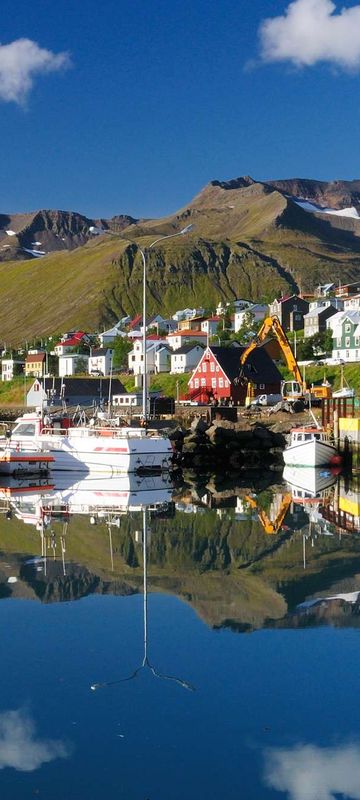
(167,582)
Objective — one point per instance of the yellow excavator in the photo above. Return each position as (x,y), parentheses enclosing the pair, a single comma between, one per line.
(269,526)
(295,390)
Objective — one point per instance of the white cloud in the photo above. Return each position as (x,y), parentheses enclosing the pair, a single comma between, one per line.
(20,62)
(312,31)
(19,746)
(307,772)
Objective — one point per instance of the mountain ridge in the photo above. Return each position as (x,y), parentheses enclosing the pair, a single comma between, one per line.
(251,238)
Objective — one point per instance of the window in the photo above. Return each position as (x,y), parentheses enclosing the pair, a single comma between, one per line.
(261,385)
(295,308)
(226,384)
(196,383)
(338,341)
(347,354)
(347,327)
(213,383)
(221,383)
(212,367)
(204,366)
(357,341)
(203,381)
(347,341)
(24,430)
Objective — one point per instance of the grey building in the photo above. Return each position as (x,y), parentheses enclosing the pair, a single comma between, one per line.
(290,311)
(315,320)
(85,392)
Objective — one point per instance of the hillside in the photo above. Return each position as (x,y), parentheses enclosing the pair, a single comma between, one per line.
(250,239)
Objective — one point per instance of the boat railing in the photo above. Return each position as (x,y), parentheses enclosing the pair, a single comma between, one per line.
(116,433)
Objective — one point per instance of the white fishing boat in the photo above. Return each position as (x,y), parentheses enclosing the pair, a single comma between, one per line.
(17,461)
(92,447)
(310,446)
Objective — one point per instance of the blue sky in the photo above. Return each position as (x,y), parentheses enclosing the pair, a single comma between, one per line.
(162,97)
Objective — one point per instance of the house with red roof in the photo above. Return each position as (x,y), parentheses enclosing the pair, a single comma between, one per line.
(216,376)
(69,341)
(179,338)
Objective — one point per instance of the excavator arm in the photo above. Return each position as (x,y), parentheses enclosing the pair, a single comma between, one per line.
(272,325)
(270,526)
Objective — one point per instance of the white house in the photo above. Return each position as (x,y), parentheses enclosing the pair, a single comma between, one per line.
(100,361)
(210,325)
(255,312)
(186,358)
(157,356)
(237,305)
(178,339)
(107,337)
(10,367)
(188,313)
(69,341)
(321,302)
(352,303)
(72,364)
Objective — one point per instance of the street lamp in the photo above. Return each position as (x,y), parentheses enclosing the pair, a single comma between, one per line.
(144,252)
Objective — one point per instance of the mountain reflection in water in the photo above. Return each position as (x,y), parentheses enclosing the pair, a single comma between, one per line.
(245,556)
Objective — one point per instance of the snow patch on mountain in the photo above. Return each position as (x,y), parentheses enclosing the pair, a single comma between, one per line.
(342,212)
(36,253)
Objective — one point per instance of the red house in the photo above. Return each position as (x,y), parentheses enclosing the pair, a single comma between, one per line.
(219,367)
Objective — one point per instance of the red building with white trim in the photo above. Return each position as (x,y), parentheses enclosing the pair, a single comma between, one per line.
(219,367)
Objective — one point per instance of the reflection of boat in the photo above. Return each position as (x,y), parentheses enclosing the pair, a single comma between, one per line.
(310,447)
(95,496)
(15,461)
(308,483)
(92,448)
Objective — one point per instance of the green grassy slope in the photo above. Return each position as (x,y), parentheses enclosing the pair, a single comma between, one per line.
(249,241)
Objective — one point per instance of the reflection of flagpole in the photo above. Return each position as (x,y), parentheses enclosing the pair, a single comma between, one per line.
(145,583)
(145,661)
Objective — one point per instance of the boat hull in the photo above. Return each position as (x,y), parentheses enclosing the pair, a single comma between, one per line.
(309,454)
(86,450)
(14,462)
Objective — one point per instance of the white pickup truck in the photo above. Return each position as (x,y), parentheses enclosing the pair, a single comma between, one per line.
(266,400)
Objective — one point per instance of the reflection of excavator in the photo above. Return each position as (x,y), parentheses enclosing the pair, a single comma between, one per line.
(271,527)
(293,390)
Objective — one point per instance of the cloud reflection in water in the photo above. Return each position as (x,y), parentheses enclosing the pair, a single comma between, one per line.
(308,772)
(20,748)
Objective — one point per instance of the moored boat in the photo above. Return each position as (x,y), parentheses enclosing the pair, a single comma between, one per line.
(91,447)
(310,446)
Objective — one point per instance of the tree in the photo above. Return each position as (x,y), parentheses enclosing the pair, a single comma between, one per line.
(121,346)
(80,366)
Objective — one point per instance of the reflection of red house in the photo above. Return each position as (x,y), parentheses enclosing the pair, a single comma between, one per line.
(216,373)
